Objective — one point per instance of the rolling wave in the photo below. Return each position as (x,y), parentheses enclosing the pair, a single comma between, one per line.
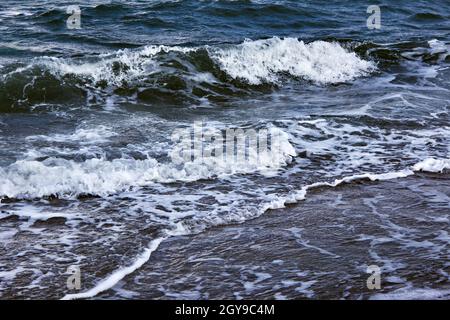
(58,177)
(174,74)
(177,75)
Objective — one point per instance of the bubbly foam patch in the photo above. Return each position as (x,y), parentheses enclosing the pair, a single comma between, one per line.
(95,135)
(124,65)
(98,176)
(119,274)
(428,165)
(440,47)
(263,61)
(432,165)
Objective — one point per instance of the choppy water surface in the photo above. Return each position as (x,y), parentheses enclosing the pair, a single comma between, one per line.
(87,117)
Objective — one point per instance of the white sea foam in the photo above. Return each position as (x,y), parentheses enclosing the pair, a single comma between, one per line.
(34,213)
(428,165)
(262,61)
(299,195)
(99,134)
(432,165)
(439,47)
(124,65)
(11,274)
(119,274)
(26,179)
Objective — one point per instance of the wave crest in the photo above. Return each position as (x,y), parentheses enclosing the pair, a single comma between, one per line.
(179,75)
(264,61)
(29,179)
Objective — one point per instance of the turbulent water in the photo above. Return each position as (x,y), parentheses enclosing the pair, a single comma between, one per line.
(88,117)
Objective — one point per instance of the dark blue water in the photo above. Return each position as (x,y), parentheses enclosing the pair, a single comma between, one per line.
(88,117)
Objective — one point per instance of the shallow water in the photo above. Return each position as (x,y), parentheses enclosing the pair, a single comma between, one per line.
(88,116)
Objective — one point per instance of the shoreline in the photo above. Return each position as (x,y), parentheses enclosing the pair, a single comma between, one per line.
(290,253)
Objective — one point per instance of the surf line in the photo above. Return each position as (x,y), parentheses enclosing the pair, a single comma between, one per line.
(118,275)
(428,165)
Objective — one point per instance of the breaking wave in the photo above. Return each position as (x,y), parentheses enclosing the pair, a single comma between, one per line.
(178,75)
(28,179)
(265,61)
